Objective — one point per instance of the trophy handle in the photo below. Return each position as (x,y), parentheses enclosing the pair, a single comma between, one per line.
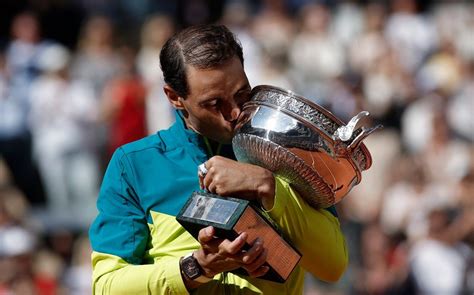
(365,132)
(344,133)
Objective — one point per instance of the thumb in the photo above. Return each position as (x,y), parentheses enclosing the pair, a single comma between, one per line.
(206,234)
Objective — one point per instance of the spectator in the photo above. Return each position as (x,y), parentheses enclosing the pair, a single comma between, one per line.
(315,42)
(78,275)
(273,28)
(439,260)
(96,60)
(18,69)
(63,118)
(123,105)
(410,32)
(155,31)
(17,244)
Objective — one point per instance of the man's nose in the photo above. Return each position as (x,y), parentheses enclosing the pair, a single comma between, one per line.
(233,112)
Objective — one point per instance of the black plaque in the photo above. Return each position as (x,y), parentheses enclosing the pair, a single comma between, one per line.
(230,217)
(209,209)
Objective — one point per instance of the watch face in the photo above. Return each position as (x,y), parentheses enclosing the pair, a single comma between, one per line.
(190,267)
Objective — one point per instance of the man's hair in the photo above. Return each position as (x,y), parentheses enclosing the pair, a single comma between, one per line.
(203,47)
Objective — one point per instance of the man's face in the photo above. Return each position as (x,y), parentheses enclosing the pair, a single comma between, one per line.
(215,99)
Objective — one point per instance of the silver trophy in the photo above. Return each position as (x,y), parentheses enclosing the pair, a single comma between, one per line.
(303,143)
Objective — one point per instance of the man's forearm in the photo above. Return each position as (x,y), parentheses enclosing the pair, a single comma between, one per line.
(315,233)
(266,190)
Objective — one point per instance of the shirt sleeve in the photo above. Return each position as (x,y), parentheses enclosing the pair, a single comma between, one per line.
(119,237)
(113,275)
(316,233)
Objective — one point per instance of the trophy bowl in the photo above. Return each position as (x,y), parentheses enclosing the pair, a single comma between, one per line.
(303,143)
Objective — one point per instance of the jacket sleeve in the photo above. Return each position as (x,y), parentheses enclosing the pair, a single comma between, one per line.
(316,233)
(113,275)
(119,237)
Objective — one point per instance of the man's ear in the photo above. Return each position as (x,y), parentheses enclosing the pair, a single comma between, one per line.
(173,97)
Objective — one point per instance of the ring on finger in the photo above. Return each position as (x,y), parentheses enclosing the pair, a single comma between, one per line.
(202,170)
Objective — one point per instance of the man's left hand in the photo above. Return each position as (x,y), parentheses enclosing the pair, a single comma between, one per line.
(227,177)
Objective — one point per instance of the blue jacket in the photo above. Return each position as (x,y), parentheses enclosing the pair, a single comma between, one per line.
(137,242)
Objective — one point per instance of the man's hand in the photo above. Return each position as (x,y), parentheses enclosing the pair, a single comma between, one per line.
(227,177)
(218,255)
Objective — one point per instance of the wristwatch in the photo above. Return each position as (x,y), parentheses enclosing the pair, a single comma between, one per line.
(192,270)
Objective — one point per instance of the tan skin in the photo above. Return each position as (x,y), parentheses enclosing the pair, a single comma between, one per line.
(211,109)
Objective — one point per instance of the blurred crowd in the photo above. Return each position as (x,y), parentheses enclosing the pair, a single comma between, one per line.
(64,108)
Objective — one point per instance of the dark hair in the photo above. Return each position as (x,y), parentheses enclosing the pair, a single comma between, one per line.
(203,47)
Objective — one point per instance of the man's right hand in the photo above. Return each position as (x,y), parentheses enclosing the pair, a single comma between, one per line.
(218,255)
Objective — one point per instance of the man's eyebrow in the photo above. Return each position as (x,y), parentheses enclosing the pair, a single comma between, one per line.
(208,97)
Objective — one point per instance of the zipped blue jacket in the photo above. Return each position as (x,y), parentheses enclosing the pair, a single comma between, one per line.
(137,242)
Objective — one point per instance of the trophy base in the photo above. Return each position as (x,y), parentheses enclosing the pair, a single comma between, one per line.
(230,217)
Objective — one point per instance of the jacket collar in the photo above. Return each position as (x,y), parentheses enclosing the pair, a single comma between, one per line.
(179,135)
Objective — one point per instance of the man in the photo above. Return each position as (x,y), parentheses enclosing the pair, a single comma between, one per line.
(18,69)
(139,248)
